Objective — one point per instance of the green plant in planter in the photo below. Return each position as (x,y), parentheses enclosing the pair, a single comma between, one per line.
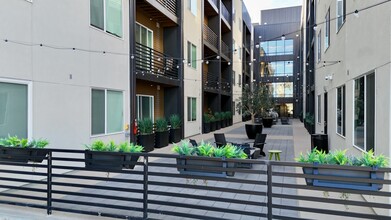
(97,146)
(217,116)
(130,147)
(185,148)
(207,118)
(145,126)
(14,141)
(161,125)
(175,121)
(228,114)
(205,150)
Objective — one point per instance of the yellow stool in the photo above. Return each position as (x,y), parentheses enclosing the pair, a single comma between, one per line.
(276,154)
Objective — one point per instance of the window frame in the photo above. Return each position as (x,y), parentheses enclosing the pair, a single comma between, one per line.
(319,109)
(342,89)
(240,80)
(29,85)
(327,31)
(123,110)
(191,61)
(319,58)
(153,105)
(105,21)
(190,110)
(191,9)
(233,77)
(343,15)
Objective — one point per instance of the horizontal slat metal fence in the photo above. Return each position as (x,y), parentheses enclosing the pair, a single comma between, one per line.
(162,186)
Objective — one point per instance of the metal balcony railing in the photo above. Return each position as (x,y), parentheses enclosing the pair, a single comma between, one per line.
(211,81)
(170,5)
(150,61)
(210,36)
(225,13)
(225,49)
(225,85)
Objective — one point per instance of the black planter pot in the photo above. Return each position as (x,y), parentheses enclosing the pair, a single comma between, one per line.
(161,139)
(267,122)
(175,135)
(206,127)
(253,129)
(218,125)
(106,161)
(147,141)
(22,155)
(223,123)
(213,126)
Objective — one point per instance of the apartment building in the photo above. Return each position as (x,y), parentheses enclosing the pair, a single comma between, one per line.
(64,72)
(94,68)
(277,52)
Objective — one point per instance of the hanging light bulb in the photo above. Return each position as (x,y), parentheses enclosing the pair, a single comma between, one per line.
(217,57)
(249,64)
(184,61)
(356,13)
(283,37)
(315,27)
(257,46)
(229,63)
(207,62)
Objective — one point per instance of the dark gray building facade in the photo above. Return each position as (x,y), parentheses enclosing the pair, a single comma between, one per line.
(277,58)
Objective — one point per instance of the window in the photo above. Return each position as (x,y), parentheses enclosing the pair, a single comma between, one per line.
(13,110)
(327,31)
(364,112)
(106,111)
(276,48)
(319,109)
(192,55)
(107,16)
(191,109)
(233,77)
(193,7)
(341,97)
(281,90)
(240,80)
(319,46)
(341,13)
(144,36)
(279,68)
(144,107)
(233,108)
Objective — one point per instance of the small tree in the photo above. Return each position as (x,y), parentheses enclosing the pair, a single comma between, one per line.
(255,99)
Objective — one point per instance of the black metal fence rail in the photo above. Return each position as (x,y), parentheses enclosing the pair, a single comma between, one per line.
(170,5)
(163,186)
(226,85)
(150,61)
(225,49)
(211,81)
(210,36)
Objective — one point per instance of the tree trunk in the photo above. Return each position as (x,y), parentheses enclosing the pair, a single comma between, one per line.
(253,118)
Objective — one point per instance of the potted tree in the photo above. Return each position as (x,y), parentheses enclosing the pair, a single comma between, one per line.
(161,133)
(146,137)
(175,131)
(251,103)
(207,119)
(109,156)
(14,149)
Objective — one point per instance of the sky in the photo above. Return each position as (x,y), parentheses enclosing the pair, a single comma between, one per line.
(255,6)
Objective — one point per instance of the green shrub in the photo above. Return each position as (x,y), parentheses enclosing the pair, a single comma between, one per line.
(207,118)
(208,150)
(185,148)
(217,116)
(14,141)
(175,121)
(161,125)
(124,147)
(145,126)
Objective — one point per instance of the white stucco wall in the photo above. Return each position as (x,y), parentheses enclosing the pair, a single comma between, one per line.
(61,80)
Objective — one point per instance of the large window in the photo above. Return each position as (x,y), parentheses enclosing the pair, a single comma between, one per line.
(341,103)
(240,80)
(364,112)
(107,15)
(192,55)
(327,31)
(319,46)
(106,111)
(281,90)
(275,48)
(13,110)
(191,109)
(233,78)
(279,68)
(193,6)
(319,109)
(144,107)
(341,13)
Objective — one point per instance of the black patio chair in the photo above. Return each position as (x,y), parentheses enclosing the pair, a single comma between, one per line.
(259,142)
(221,141)
(193,142)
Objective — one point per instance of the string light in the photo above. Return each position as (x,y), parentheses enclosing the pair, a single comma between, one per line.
(356,13)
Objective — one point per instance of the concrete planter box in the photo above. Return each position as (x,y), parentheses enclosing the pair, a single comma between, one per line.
(205,163)
(22,155)
(106,161)
(375,175)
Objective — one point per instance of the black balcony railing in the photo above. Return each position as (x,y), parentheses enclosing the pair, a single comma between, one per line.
(225,49)
(210,36)
(150,61)
(155,189)
(225,13)
(225,85)
(170,5)
(211,81)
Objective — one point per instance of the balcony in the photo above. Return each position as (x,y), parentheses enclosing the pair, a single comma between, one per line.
(226,15)
(211,82)
(152,62)
(165,11)
(225,86)
(210,38)
(225,51)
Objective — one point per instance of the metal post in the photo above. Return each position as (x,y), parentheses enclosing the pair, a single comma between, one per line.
(145,194)
(49,184)
(269,191)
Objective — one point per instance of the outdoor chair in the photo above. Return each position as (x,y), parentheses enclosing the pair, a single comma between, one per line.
(221,141)
(193,142)
(259,142)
